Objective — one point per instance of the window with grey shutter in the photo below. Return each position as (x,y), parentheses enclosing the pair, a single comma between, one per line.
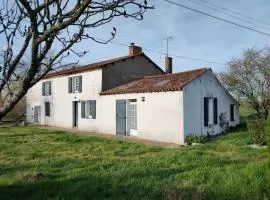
(46,88)
(215,111)
(70,85)
(80,83)
(43,88)
(89,109)
(83,109)
(205,111)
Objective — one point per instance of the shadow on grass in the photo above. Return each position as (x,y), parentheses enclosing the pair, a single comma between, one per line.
(104,187)
(135,183)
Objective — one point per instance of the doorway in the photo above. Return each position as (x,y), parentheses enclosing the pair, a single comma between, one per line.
(132,117)
(75,114)
(37,114)
(126,117)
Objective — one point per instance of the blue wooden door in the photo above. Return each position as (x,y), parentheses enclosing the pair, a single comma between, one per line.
(121,117)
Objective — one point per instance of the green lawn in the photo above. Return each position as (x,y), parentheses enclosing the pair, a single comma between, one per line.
(44,164)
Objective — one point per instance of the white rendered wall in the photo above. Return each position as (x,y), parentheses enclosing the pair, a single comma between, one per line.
(159,117)
(61,100)
(205,86)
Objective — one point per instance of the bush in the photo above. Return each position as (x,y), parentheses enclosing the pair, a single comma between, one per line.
(18,112)
(195,139)
(268,135)
(257,129)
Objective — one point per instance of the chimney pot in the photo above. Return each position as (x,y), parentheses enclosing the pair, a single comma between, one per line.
(133,49)
(168,65)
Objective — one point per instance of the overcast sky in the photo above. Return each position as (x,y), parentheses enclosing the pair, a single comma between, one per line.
(194,35)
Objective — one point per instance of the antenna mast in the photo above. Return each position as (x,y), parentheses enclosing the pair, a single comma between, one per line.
(167,40)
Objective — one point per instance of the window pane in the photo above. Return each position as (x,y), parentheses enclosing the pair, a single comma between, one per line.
(87,109)
(77,84)
(47,88)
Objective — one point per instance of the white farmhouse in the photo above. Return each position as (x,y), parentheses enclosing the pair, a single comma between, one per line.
(132,96)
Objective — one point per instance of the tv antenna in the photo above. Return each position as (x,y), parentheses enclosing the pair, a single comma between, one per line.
(167,41)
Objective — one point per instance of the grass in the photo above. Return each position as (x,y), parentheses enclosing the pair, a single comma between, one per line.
(45,164)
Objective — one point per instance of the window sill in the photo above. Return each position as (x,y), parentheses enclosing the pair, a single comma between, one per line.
(75,92)
(90,118)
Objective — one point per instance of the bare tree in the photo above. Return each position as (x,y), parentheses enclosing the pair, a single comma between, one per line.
(38,25)
(249,78)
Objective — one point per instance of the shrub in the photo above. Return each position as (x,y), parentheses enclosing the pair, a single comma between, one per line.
(195,139)
(268,143)
(257,129)
(18,112)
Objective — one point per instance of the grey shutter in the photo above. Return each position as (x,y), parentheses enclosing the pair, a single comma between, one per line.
(47,109)
(215,111)
(205,111)
(232,112)
(80,83)
(93,109)
(43,89)
(50,87)
(70,85)
(83,109)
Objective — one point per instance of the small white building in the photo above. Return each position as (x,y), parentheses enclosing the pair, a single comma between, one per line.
(132,96)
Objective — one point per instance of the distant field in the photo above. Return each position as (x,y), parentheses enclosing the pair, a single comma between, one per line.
(45,164)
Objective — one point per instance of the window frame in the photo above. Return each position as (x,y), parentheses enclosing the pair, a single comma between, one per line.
(75,84)
(88,109)
(210,110)
(47,88)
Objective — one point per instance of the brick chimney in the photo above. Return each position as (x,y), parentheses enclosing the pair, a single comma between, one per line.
(168,65)
(133,50)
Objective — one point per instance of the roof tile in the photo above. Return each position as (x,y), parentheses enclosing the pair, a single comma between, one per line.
(158,83)
(89,67)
